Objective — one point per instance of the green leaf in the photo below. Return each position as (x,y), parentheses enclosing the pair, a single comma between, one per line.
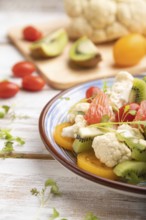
(65,98)
(20,140)
(91,216)
(132,112)
(2,114)
(54,188)
(105,86)
(54,215)
(34,191)
(126,109)
(8,148)
(49,182)
(6,108)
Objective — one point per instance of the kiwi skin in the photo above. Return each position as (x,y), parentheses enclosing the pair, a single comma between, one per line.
(92,62)
(82,144)
(132,172)
(138,91)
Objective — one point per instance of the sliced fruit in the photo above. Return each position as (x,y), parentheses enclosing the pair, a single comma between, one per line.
(82,144)
(89,132)
(88,162)
(98,109)
(138,91)
(92,92)
(84,53)
(64,142)
(127,112)
(141,113)
(129,50)
(50,46)
(131,171)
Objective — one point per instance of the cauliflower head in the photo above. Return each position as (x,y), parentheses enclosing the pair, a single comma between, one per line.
(109,150)
(105,20)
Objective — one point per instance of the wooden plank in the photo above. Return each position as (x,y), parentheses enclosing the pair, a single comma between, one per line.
(57,71)
(79,196)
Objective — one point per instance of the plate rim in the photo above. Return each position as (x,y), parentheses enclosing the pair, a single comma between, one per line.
(120,186)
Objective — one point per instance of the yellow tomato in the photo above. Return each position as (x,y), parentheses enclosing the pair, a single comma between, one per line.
(64,142)
(88,161)
(129,50)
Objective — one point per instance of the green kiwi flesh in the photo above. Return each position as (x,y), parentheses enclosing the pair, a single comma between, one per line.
(84,53)
(50,46)
(131,171)
(138,148)
(82,144)
(138,91)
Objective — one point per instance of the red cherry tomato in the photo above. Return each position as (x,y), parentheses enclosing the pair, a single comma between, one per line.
(8,89)
(23,68)
(32,83)
(31,33)
(127,112)
(92,92)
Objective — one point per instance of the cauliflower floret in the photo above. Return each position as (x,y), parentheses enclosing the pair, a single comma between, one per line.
(79,107)
(109,150)
(121,89)
(72,131)
(106,20)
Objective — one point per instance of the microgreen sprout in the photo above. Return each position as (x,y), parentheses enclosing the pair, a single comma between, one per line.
(43,194)
(91,216)
(64,98)
(8,112)
(9,141)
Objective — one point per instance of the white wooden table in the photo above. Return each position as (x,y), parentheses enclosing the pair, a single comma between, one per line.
(31,165)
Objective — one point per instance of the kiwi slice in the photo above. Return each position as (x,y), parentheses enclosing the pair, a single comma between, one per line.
(136,145)
(82,144)
(50,46)
(138,91)
(138,148)
(131,171)
(84,53)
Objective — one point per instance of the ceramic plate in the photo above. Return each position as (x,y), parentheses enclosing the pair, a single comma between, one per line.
(54,113)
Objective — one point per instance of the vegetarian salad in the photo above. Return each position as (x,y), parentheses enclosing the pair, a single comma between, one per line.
(107,130)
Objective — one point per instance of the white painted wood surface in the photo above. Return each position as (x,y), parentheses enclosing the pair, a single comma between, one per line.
(19,176)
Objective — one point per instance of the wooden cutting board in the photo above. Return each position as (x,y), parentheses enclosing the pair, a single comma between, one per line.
(57,71)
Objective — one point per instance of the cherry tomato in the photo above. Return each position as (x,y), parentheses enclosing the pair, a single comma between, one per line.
(127,112)
(99,108)
(32,83)
(8,89)
(92,92)
(23,68)
(31,33)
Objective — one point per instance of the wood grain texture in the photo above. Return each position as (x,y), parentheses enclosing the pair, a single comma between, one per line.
(19,176)
(29,5)
(58,72)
